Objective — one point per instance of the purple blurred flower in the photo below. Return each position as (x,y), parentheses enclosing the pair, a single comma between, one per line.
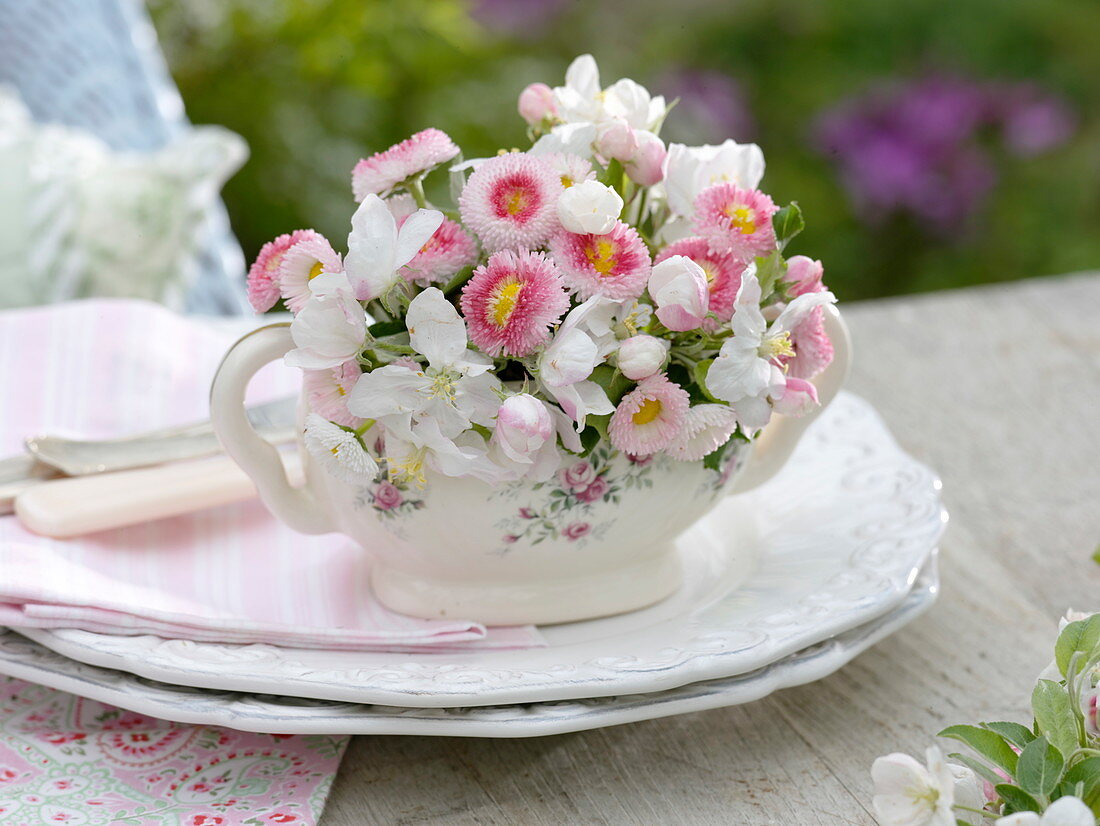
(916,147)
(517,17)
(713,106)
(1034,121)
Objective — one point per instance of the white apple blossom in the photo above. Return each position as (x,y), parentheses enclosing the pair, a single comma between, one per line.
(412,451)
(641,356)
(1065,811)
(646,166)
(525,441)
(632,102)
(746,364)
(377,249)
(691,169)
(339,450)
(589,207)
(679,287)
(581,98)
(615,138)
(567,139)
(332,326)
(453,391)
(523,426)
(909,794)
(567,362)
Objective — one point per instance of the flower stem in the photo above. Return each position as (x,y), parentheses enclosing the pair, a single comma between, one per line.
(416,189)
(982,812)
(364,427)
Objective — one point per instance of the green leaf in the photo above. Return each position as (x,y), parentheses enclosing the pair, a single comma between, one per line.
(1012,732)
(1054,716)
(978,767)
(700,376)
(788,222)
(989,744)
(1040,767)
(387,328)
(1096,555)
(614,383)
(1082,636)
(1086,773)
(1016,799)
(768,271)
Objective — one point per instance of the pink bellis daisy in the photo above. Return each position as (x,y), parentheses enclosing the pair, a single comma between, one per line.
(510,202)
(736,220)
(615,265)
(448,250)
(706,428)
(382,172)
(327,391)
(571,169)
(723,271)
(650,417)
(263,275)
(511,302)
(310,256)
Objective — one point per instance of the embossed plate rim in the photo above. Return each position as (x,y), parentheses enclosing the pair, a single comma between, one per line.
(25,659)
(813,582)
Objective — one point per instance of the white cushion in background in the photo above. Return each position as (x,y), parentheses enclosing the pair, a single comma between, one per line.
(78,219)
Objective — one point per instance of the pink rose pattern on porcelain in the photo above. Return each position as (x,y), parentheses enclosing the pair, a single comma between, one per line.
(64,759)
(577,503)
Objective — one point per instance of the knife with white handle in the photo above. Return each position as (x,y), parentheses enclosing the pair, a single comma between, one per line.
(49,457)
(80,505)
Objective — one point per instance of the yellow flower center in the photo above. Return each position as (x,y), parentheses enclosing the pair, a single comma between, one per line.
(516,201)
(601,257)
(776,346)
(503,301)
(650,410)
(315,270)
(566,181)
(443,385)
(409,468)
(741,218)
(708,271)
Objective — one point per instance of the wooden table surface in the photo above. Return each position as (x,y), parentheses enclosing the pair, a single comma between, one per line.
(998,388)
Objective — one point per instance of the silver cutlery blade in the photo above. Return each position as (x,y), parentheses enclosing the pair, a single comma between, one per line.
(18,473)
(275,421)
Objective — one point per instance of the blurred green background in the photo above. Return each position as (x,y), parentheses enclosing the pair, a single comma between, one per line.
(931,143)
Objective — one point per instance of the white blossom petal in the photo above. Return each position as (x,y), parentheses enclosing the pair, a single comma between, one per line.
(372,246)
(414,234)
(436,330)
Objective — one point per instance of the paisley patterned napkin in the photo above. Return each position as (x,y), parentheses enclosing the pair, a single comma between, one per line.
(68,760)
(230,574)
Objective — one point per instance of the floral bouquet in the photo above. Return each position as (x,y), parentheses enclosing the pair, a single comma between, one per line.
(600,286)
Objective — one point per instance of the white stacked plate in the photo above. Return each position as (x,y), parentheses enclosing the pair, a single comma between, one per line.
(834,554)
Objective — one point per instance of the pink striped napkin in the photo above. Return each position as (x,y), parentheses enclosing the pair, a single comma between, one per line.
(230,574)
(64,759)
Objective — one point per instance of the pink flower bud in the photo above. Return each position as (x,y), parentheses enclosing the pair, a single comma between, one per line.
(616,139)
(647,166)
(804,275)
(641,356)
(536,103)
(679,288)
(523,427)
